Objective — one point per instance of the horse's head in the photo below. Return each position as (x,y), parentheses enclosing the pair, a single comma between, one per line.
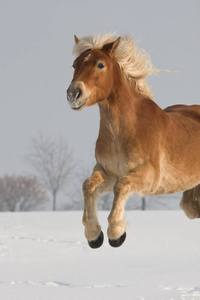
(93,76)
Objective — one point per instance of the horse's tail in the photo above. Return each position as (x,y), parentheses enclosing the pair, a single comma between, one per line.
(190,202)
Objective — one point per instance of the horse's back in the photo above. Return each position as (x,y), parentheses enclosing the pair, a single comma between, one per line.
(191,111)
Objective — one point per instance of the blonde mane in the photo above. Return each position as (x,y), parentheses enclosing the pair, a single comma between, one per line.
(135,63)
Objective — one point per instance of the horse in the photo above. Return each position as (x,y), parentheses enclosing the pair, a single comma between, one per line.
(141,148)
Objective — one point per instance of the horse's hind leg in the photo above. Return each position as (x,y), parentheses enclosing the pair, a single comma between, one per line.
(190,202)
(95,185)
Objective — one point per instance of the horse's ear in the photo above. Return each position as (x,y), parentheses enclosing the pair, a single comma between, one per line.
(111,47)
(76,39)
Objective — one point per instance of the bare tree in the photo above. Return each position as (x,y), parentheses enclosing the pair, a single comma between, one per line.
(76,194)
(52,162)
(20,193)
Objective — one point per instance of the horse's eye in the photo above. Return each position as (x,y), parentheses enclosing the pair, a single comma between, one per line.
(73,66)
(100,66)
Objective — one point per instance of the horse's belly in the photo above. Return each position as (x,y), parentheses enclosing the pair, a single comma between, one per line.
(174,180)
(168,187)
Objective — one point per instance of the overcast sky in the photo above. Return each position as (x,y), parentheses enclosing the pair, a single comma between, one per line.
(36,40)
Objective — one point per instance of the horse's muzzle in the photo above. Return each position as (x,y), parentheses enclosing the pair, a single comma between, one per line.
(76,95)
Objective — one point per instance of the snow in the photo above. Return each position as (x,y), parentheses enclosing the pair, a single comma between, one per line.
(44,255)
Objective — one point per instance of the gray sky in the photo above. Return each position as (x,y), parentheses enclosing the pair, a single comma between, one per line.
(36,40)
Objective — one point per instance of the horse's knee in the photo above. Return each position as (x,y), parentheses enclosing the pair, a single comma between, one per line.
(90,184)
(122,186)
(85,185)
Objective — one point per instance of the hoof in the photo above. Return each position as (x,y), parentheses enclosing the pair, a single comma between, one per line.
(119,242)
(98,242)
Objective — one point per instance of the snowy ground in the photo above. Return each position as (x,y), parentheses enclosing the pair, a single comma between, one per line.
(45,256)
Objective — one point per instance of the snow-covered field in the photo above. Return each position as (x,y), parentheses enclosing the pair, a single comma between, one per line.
(45,256)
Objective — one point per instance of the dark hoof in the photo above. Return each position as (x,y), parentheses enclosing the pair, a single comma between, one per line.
(119,242)
(98,242)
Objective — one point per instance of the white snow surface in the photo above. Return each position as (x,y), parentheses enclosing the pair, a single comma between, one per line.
(44,255)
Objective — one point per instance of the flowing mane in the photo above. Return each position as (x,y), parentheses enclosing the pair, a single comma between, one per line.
(135,63)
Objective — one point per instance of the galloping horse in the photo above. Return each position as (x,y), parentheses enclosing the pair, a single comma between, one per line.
(140,148)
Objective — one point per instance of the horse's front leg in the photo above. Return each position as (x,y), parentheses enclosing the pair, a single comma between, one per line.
(135,182)
(95,185)
(116,220)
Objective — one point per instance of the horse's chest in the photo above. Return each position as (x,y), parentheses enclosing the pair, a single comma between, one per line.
(111,155)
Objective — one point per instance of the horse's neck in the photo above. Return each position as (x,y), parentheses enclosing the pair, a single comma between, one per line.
(119,111)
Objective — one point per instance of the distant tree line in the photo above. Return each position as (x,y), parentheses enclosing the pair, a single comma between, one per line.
(20,193)
(53,166)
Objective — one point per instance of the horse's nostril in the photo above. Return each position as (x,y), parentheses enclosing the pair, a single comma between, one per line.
(78,94)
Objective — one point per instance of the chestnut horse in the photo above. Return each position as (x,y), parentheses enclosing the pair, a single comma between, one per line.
(141,148)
